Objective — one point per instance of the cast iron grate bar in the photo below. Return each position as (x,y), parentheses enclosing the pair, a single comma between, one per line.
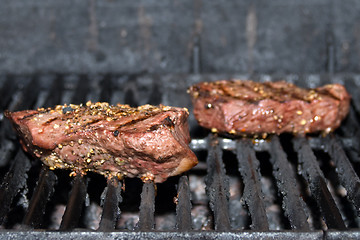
(43,191)
(13,181)
(347,175)
(147,207)
(183,207)
(250,172)
(75,204)
(312,173)
(293,205)
(111,210)
(217,186)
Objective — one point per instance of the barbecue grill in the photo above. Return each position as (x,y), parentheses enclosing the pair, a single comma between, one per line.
(282,187)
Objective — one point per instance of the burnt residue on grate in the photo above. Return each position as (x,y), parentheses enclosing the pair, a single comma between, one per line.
(293,205)
(282,187)
(253,195)
(217,186)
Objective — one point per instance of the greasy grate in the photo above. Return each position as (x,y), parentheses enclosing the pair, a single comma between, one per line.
(283,187)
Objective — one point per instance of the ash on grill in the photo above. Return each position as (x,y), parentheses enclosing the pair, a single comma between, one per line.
(284,187)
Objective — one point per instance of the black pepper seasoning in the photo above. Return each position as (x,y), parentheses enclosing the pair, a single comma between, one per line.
(116,133)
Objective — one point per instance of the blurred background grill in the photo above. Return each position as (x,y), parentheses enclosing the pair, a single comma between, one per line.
(150,52)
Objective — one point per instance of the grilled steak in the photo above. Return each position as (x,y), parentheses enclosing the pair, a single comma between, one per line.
(251,108)
(149,142)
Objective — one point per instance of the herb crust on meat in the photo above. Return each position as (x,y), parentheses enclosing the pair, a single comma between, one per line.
(149,142)
(243,107)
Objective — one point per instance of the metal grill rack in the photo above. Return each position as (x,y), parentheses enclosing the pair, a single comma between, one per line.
(282,187)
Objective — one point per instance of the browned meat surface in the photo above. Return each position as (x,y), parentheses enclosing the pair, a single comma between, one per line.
(149,142)
(247,107)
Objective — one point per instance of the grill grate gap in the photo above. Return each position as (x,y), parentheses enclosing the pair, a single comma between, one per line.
(56,207)
(272,196)
(200,212)
(43,191)
(111,210)
(75,204)
(238,213)
(165,206)
(130,204)
(147,207)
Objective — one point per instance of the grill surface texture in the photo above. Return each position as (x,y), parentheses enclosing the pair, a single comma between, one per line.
(282,187)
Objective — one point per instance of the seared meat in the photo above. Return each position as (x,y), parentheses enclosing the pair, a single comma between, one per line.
(149,142)
(247,107)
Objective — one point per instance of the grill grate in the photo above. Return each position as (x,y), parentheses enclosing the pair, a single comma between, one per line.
(292,203)
(312,173)
(183,208)
(43,191)
(249,169)
(147,208)
(75,204)
(111,209)
(288,187)
(217,186)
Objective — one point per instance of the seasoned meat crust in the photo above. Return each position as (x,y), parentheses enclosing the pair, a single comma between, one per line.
(243,107)
(150,142)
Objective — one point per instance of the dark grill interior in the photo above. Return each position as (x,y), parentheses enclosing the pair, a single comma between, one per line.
(283,187)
